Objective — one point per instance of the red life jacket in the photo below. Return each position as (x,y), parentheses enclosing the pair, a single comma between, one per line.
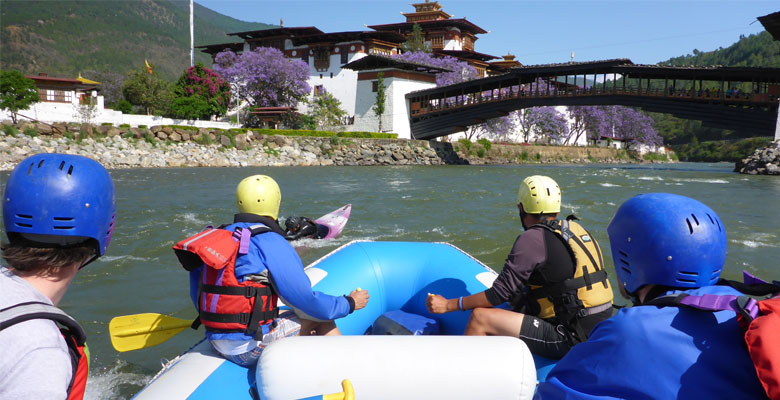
(759,320)
(226,305)
(71,331)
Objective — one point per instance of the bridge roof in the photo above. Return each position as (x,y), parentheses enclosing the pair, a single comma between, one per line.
(571,68)
(376,61)
(771,23)
(717,73)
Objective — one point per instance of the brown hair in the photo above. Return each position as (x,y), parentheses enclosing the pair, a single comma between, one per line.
(45,260)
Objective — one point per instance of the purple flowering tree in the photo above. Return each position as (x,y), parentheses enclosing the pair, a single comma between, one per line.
(543,123)
(264,77)
(460,70)
(616,122)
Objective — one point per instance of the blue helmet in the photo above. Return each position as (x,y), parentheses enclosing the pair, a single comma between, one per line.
(60,200)
(666,239)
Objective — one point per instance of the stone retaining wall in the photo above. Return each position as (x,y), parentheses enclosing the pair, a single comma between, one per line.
(174,147)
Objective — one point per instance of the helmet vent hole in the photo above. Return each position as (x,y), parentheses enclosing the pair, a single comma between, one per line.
(694,219)
(70,170)
(29,170)
(40,164)
(63,227)
(63,218)
(689,281)
(622,253)
(690,274)
(25,216)
(19,224)
(690,227)
(62,165)
(716,273)
(548,192)
(624,262)
(628,271)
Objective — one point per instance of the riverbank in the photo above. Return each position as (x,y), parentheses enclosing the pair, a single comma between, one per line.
(158,147)
(763,161)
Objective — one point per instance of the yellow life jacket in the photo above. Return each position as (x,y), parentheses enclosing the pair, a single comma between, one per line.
(590,282)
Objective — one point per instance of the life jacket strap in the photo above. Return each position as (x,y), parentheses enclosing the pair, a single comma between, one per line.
(246,291)
(569,285)
(742,305)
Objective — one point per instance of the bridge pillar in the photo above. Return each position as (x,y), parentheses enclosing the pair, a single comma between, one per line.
(777,127)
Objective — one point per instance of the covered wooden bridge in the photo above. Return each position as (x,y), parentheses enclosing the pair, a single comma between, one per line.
(738,98)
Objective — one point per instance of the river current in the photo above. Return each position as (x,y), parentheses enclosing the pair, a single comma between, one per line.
(471,207)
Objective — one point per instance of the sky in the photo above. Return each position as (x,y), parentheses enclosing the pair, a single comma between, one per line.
(541,32)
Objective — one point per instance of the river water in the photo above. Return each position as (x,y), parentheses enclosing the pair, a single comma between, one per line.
(471,207)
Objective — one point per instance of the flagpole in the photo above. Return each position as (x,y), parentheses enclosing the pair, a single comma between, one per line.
(192,37)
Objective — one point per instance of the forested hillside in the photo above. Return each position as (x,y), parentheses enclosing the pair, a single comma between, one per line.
(691,140)
(63,38)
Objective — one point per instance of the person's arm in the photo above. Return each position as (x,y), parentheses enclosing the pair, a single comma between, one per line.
(293,285)
(437,304)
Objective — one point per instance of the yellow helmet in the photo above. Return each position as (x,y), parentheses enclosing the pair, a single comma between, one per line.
(539,195)
(259,194)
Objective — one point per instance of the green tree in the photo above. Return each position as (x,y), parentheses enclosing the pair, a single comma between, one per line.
(327,111)
(16,92)
(200,93)
(416,42)
(146,90)
(381,97)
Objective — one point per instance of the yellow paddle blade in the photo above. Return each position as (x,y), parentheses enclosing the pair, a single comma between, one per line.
(139,331)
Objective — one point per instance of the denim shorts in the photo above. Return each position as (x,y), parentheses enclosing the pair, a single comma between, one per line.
(285,325)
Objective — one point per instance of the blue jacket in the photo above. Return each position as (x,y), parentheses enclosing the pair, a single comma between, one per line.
(658,353)
(273,252)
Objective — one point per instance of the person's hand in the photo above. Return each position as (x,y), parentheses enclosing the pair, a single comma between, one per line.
(436,304)
(361,298)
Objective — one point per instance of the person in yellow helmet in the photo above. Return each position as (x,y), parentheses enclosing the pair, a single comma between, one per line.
(244,268)
(553,279)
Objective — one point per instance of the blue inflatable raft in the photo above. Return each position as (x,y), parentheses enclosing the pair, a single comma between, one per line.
(398,276)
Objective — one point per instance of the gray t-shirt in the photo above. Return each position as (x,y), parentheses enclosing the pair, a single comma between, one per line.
(34,359)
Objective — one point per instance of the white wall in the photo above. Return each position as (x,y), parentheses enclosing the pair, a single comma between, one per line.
(62,112)
(396,116)
(342,86)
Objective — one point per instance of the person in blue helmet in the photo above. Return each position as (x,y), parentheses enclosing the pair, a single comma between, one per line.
(662,244)
(58,214)
(236,296)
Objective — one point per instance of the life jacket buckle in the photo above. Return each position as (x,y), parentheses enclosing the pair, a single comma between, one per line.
(250,292)
(243,318)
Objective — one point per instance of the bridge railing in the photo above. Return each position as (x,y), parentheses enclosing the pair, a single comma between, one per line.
(424,105)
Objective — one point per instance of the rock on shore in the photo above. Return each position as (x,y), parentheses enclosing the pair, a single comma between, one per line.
(764,161)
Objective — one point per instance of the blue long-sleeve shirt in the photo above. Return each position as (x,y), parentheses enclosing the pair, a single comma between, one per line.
(272,252)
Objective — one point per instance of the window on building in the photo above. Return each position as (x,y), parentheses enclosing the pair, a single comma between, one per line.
(437,41)
(331,74)
(344,56)
(374,86)
(322,59)
(58,96)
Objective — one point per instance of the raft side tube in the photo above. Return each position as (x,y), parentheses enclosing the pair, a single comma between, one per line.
(398,367)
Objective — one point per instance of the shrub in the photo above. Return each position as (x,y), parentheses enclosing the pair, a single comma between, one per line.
(481,152)
(485,143)
(106,124)
(538,156)
(124,125)
(10,130)
(204,140)
(524,156)
(149,138)
(124,106)
(127,135)
(655,157)
(142,126)
(466,143)
(31,132)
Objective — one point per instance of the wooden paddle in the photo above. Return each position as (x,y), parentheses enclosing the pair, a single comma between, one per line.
(139,331)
